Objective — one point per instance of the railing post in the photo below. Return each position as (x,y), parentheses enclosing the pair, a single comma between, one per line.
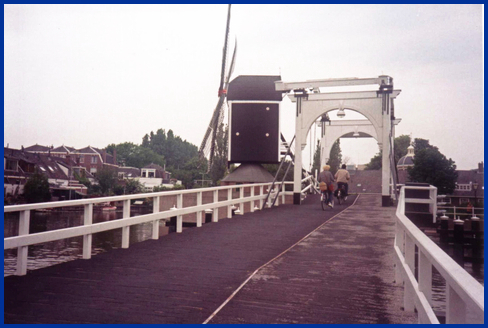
(126,229)
(87,239)
(179,218)
(229,207)
(155,223)
(252,201)
(409,293)
(199,213)
(455,307)
(425,276)
(433,203)
(241,198)
(24,221)
(215,217)
(261,189)
(399,239)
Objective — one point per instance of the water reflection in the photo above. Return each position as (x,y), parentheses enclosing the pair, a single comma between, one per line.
(55,252)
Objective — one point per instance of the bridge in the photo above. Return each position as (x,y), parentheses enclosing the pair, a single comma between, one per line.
(356,263)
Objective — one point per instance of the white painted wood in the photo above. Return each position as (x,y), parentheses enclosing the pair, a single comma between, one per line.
(126,229)
(425,277)
(251,203)
(410,262)
(229,199)
(24,222)
(455,308)
(465,302)
(155,223)
(241,198)
(179,218)
(87,239)
(215,214)
(261,189)
(199,213)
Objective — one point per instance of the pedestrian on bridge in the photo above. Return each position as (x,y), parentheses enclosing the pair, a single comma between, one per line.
(327,177)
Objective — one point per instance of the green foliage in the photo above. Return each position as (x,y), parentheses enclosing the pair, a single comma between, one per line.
(36,189)
(375,162)
(133,186)
(431,166)
(130,154)
(219,166)
(316,159)
(273,168)
(164,188)
(107,180)
(335,158)
(191,171)
(401,144)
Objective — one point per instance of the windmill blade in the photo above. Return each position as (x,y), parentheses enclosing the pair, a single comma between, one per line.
(232,65)
(207,146)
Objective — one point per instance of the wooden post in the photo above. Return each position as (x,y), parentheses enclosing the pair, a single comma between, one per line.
(261,188)
(199,213)
(241,198)
(126,229)
(455,307)
(24,221)
(87,239)
(252,201)
(155,223)
(215,217)
(229,207)
(425,276)
(179,218)
(409,295)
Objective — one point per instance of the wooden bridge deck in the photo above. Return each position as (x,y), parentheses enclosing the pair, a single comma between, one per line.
(341,273)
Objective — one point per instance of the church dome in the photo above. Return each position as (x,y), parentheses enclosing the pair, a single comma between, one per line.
(407,160)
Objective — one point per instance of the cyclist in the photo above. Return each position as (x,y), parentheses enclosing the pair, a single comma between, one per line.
(343,177)
(328,178)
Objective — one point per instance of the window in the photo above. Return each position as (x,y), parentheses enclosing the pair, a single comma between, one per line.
(143,174)
(11,165)
(94,160)
(82,159)
(151,175)
(121,175)
(93,171)
(463,187)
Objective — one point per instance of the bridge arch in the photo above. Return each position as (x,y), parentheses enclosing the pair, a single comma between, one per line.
(376,106)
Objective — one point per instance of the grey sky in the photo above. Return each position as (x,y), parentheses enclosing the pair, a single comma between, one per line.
(83,75)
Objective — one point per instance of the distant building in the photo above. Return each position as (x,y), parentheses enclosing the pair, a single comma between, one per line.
(154,175)
(406,161)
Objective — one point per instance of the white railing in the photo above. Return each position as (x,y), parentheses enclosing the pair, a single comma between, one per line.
(24,239)
(464,295)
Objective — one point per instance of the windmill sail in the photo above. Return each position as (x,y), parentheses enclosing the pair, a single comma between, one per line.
(208,144)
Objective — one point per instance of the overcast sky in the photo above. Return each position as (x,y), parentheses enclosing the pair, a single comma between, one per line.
(84,75)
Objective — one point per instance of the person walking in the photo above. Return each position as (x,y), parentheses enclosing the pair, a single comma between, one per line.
(327,177)
(342,177)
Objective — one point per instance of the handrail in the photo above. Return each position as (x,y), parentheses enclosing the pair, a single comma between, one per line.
(24,239)
(465,295)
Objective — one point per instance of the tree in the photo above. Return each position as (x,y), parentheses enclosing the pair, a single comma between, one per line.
(335,158)
(107,180)
(36,189)
(401,144)
(134,155)
(316,159)
(431,166)
(191,171)
(219,165)
(375,162)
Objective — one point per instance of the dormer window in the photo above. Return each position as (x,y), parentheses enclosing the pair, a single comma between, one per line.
(94,159)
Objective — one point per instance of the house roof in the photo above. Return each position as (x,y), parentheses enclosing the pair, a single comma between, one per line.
(249,173)
(470,177)
(62,149)
(38,148)
(254,87)
(86,150)
(405,161)
(130,172)
(153,166)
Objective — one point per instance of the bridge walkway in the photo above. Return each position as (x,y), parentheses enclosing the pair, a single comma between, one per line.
(342,272)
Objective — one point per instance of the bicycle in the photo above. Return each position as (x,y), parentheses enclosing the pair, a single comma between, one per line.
(341,195)
(325,199)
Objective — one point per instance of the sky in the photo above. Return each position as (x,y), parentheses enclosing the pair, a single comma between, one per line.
(80,75)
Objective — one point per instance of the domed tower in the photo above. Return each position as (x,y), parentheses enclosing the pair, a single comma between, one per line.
(407,160)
